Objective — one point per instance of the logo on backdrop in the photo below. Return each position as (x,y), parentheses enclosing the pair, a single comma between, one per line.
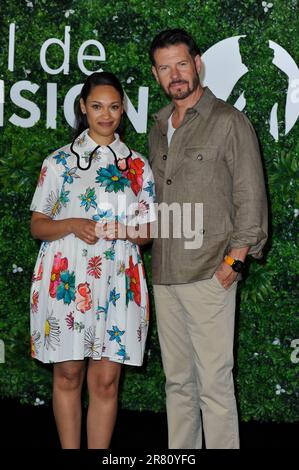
(223,69)
(2,352)
(295,353)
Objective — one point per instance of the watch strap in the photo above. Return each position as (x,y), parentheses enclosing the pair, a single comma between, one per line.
(229,260)
(236,264)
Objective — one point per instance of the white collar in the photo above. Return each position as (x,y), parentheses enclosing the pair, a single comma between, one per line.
(84,143)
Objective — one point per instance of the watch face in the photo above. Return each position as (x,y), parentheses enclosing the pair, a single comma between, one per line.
(237,266)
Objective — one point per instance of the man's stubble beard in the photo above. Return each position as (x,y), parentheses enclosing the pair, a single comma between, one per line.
(179,95)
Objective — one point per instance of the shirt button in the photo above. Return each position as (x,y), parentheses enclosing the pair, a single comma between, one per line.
(199,157)
(164,157)
(168,181)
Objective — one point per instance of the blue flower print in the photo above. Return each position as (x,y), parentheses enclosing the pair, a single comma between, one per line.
(112,178)
(114,297)
(102,310)
(103,215)
(110,254)
(66,288)
(129,293)
(121,218)
(88,199)
(61,157)
(122,353)
(43,247)
(115,334)
(150,188)
(64,197)
(70,174)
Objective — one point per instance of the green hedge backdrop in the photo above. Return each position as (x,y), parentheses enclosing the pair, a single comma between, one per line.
(267,320)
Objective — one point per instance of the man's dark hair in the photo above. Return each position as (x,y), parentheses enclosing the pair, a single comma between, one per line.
(171,37)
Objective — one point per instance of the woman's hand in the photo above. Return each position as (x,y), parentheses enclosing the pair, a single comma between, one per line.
(111,231)
(85,229)
(138,234)
(44,228)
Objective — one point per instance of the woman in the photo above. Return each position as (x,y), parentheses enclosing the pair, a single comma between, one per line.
(93,200)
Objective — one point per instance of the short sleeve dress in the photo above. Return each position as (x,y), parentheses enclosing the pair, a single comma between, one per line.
(91,300)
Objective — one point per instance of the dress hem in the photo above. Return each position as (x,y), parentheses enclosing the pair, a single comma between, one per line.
(127,363)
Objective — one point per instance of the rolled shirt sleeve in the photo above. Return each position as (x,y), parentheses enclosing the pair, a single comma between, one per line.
(250,214)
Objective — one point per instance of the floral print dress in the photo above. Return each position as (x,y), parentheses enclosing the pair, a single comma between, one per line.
(91,300)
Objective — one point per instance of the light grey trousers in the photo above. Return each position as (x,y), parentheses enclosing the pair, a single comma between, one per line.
(196,334)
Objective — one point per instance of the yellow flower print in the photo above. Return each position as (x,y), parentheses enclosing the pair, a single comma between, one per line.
(52,332)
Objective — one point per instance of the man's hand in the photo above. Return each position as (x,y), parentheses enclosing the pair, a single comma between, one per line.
(225,275)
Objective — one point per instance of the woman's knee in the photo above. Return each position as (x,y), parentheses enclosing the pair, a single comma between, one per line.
(103,383)
(68,376)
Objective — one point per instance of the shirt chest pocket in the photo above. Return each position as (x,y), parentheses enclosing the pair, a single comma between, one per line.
(199,164)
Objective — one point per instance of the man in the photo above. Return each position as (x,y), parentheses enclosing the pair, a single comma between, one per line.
(202,150)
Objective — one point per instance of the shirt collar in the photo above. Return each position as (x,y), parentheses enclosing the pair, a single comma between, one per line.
(84,144)
(202,108)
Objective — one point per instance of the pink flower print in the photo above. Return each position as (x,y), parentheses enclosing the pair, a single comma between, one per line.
(143,207)
(42,176)
(40,271)
(70,321)
(59,264)
(34,302)
(94,267)
(83,297)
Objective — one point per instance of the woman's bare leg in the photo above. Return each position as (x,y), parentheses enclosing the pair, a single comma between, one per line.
(67,384)
(102,381)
